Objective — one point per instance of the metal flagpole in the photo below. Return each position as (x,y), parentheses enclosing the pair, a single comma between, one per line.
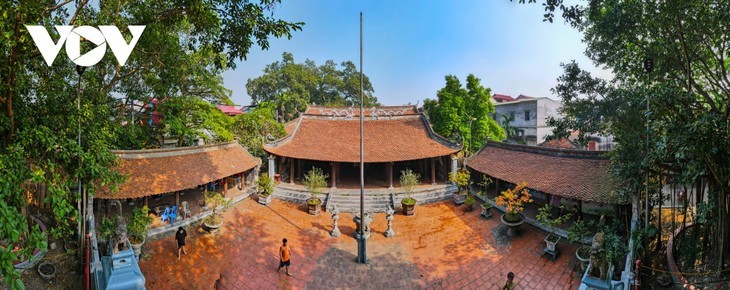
(361,242)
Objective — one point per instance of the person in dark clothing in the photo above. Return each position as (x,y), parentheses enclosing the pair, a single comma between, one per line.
(180,238)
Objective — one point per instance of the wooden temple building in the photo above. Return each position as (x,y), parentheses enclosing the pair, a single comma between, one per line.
(396,138)
(554,175)
(160,173)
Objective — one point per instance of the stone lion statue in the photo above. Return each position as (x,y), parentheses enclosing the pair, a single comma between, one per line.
(599,263)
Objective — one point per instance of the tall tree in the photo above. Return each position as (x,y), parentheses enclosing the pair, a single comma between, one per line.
(182,51)
(689,90)
(256,127)
(293,86)
(464,111)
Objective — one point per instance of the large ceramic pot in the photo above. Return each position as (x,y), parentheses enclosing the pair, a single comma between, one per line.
(459,198)
(137,248)
(408,208)
(314,205)
(264,199)
(212,227)
(513,226)
(583,254)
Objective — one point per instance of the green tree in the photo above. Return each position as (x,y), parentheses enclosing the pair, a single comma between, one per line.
(464,111)
(689,89)
(184,48)
(257,127)
(187,118)
(293,86)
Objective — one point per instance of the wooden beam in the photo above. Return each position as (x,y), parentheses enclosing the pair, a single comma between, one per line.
(433,171)
(177,198)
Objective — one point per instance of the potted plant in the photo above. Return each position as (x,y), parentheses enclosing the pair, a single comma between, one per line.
(469,202)
(544,216)
(486,207)
(579,232)
(108,235)
(265,188)
(215,201)
(137,228)
(514,201)
(461,179)
(315,180)
(409,180)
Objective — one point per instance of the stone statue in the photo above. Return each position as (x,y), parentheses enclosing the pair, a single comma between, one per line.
(121,234)
(335,216)
(389,216)
(366,224)
(599,263)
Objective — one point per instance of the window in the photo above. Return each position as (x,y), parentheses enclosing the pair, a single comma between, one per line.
(527,115)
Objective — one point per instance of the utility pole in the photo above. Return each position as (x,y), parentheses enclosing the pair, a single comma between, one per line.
(362,256)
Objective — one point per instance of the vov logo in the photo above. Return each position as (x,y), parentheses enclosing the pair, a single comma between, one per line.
(72,37)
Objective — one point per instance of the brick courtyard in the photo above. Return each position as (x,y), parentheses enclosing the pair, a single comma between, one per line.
(440,247)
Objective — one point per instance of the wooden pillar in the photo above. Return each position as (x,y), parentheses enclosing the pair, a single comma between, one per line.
(147,201)
(225,186)
(390,174)
(334,174)
(291,170)
(433,171)
(177,198)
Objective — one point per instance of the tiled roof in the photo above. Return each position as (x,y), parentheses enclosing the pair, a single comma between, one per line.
(391,134)
(575,174)
(229,110)
(563,143)
(502,98)
(522,97)
(158,171)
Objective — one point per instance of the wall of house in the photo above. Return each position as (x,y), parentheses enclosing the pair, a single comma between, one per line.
(535,129)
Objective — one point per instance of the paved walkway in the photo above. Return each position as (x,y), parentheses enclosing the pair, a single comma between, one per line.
(440,247)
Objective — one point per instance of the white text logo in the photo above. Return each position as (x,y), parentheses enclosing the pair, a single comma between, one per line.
(72,37)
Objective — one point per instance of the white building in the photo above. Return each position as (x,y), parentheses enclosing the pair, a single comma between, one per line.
(529,117)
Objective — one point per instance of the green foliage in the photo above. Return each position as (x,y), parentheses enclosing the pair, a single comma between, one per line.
(265,184)
(315,180)
(257,127)
(462,178)
(579,231)
(139,225)
(187,118)
(185,47)
(107,229)
(469,201)
(293,86)
(544,216)
(464,111)
(687,91)
(409,180)
(214,200)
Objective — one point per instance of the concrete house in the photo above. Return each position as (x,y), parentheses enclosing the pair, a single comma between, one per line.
(529,116)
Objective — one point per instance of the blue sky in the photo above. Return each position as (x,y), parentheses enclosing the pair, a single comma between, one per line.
(409,46)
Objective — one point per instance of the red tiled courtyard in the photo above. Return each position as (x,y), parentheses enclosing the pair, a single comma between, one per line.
(440,247)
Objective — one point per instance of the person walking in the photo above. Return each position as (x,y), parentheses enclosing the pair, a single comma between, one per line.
(284,257)
(180,238)
(510,284)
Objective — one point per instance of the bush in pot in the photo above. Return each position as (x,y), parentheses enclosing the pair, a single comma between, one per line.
(469,202)
(107,233)
(462,181)
(315,180)
(409,180)
(265,186)
(544,216)
(514,201)
(137,228)
(579,232)
(215,201)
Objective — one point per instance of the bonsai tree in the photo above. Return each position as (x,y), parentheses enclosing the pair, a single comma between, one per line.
(214,200)
(514,201)
(315,180)
(469,202)
(544,216)
(265,185)
(461,179)
(107,229)
(138,226)
(579,231)
(409,180)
